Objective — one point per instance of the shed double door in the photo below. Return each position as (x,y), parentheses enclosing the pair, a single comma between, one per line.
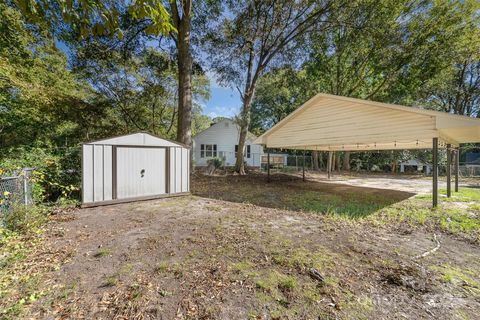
(140,172)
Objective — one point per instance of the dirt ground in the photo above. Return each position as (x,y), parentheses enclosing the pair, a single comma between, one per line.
(415,184)
(220,255)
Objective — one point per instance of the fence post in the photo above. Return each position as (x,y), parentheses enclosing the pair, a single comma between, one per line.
(457,167)
(26,185)
(268,166)
(449,166)
(303,167)
(435,172)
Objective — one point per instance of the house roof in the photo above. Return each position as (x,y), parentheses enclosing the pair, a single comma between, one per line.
(329,122)
(139,138)
(250,135)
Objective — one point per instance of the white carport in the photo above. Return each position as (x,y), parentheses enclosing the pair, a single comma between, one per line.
(133,167)
(334,123)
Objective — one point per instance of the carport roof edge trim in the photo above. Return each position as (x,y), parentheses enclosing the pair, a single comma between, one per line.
(445,123)
(139,132)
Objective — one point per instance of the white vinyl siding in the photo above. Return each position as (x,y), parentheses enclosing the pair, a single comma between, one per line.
(224,135)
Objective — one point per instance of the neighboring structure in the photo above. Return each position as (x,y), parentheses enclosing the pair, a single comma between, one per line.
(277,160)
(133,167)
(472,158)
(221,140)
(413,165)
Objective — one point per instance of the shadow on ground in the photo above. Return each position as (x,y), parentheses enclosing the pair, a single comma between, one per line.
(290,192)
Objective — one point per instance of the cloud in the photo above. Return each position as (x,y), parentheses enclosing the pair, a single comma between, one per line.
(222,111)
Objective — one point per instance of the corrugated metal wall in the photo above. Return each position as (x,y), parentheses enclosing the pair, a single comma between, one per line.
(97,173)
(179,170)
(107,180)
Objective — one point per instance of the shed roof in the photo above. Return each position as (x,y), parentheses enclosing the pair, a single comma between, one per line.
(329,122)
(138,139)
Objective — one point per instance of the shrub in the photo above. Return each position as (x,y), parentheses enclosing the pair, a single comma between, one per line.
(56,174)
(214,164)
(23,219)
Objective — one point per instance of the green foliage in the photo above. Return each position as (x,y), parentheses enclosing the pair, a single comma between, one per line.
(40,99)
(56,172)
(136,85)
(97,17)
(394,51)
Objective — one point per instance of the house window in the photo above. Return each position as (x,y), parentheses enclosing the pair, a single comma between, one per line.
(208,150)
(248,151)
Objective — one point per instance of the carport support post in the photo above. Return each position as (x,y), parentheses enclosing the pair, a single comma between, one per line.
(457,167)
(449,167)
(329,164)
(303,165)
(435,173)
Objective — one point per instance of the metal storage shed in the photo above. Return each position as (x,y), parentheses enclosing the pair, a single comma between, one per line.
(133,167)
(334,123)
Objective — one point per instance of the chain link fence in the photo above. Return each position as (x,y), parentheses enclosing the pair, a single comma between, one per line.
(469,171)
(284,162)
(16,189)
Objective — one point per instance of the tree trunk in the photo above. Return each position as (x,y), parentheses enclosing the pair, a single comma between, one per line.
(315,160)
(394,166)
(184,63)
(332,165)
(244,123)
(346,161)
(244,120)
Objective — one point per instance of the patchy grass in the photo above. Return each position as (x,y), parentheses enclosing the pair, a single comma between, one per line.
(463,278)
(103,252)
(348,205)
(464,194)
(162,267)
(24,259)
(331,199)
(110,281)
(449,217)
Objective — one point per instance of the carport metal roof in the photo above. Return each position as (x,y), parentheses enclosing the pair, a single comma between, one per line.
(334,123)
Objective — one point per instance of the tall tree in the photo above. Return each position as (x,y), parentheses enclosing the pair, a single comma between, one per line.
(392,51)
(182,20)
(257,35)
(457,89)
(41,101)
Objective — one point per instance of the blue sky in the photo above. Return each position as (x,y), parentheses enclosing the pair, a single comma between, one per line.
(224,102)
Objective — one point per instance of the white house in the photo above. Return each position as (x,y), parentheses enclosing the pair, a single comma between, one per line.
(221,140)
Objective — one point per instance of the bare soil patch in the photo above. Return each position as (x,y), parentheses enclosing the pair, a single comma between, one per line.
(240,248)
